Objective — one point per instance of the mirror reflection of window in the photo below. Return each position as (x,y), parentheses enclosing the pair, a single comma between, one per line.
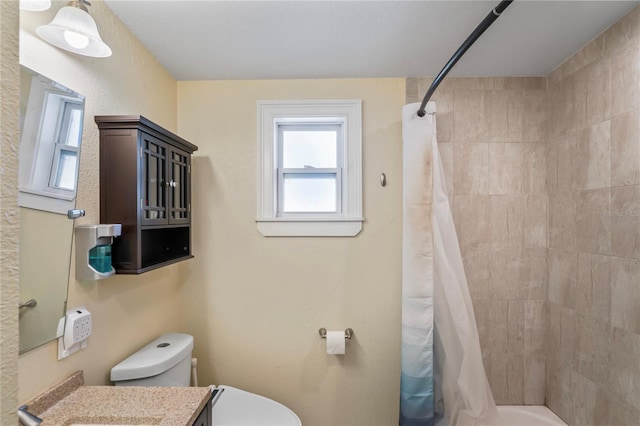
(64,167)
(50,146)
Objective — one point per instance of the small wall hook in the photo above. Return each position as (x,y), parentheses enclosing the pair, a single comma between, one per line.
(383,179)
(31,303)
(347,333)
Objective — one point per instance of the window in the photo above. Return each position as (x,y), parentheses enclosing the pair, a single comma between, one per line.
(309,168)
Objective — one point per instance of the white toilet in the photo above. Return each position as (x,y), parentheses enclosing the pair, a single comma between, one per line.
(167,362)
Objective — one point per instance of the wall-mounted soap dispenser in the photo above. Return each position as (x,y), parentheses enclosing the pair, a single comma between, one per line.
(93,250)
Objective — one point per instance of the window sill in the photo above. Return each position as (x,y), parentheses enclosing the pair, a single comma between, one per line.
(45,201)
(295,227)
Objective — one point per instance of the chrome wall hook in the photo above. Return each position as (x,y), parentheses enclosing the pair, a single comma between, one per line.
(31,303)
(347,333)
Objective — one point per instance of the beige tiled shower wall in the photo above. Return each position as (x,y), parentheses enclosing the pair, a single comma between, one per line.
(492,134)
(557,159)
(593,160)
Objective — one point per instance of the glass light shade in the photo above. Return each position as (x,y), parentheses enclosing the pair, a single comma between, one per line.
(35,5)
(79,41)
(74,30)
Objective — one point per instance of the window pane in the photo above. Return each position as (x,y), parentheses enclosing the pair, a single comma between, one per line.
(315,148)
(74,131)
(66,173)
(309,192)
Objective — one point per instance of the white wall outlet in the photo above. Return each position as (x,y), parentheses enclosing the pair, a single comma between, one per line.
(76,331)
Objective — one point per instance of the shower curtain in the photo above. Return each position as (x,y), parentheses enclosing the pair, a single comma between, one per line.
(443,380)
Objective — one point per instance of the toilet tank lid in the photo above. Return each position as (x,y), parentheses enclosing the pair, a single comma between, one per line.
(155,358)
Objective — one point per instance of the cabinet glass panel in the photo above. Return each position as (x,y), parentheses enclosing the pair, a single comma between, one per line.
(154,181)
(178,186)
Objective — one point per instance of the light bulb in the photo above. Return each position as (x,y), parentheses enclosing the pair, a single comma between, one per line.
(77,40)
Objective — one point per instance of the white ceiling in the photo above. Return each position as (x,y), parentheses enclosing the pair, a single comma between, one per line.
(215,40)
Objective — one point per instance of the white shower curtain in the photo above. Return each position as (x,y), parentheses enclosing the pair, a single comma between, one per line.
(438,323)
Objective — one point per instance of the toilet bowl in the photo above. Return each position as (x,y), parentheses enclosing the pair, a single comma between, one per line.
(166,361)
(236,407)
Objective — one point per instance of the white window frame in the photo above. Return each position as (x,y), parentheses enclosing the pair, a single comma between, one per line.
(338,127)
(347,221)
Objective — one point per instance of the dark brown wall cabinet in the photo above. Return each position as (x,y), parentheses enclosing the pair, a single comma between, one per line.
(145,182)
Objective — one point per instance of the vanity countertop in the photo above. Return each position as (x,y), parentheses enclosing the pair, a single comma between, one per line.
(122,405)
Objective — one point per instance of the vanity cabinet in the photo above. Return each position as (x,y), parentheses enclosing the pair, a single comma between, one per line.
(145,184)
(205,418)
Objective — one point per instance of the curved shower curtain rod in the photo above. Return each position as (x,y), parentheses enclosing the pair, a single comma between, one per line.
(486,23)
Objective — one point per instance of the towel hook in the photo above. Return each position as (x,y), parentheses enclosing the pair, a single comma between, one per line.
(31,303)
(348,333)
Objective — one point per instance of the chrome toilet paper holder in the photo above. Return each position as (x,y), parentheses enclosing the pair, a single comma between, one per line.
(347,333)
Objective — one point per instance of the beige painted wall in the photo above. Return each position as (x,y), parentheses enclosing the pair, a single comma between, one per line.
(128,311)
(9,217)
(256,303)
(593,158)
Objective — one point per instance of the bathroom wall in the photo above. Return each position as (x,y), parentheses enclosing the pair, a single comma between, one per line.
(256,303)
(9,218)
(491,135)
(128,311)
(593,159)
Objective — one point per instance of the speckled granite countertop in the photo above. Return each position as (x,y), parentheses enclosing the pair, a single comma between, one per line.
(72,403)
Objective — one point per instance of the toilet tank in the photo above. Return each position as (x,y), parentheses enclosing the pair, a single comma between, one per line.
(164,362)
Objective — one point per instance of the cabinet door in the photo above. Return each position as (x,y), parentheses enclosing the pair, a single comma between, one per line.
(153,181)
(204,419)
(179,196)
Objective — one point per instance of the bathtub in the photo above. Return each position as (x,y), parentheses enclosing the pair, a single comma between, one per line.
(525,415)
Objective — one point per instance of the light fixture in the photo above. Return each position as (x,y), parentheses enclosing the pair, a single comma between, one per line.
(73,29)
(35,5)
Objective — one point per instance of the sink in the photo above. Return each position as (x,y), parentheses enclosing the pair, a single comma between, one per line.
(99,423)
(113,421)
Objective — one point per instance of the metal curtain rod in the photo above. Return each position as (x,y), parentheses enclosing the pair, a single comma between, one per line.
(486,23)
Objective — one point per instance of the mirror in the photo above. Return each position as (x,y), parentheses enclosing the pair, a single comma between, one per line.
(51,118)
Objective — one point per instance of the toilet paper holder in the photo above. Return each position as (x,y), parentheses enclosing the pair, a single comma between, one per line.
(347,333)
